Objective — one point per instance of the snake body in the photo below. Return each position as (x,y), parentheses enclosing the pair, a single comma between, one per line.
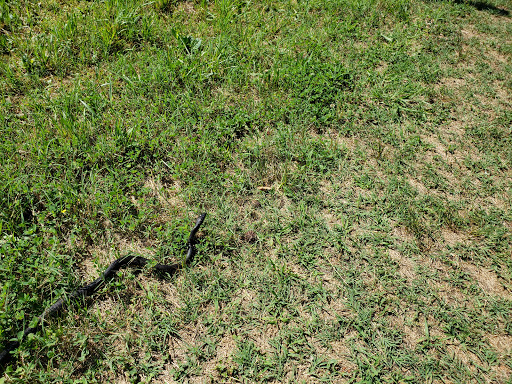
(89,289)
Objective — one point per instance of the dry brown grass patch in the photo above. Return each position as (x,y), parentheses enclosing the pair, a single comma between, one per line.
(445,290)
(168,194)
(487,280)
(502,344)
(344,142)
(406,266)
(467,358)
(224,350)
(418,185)
(453,238)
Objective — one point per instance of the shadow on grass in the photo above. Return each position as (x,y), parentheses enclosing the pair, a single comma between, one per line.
(485,6)
(482,6)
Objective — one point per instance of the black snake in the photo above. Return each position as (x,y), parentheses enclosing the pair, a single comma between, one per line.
(89,289)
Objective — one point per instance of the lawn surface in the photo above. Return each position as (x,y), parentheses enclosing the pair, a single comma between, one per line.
(354,158)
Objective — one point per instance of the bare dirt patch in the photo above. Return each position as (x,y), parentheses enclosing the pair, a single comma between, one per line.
(225,348)
(339,351)
(469,359)
(450,294)
(344,142)
(415,329)
(418,185)
(447,151)
(452,238)
(413,336)
(452,82)
(406,266)
(501,343)
(487,280)
(186,7)
(403,235)
(168,195)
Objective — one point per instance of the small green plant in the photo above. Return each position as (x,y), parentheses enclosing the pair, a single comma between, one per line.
(188,43)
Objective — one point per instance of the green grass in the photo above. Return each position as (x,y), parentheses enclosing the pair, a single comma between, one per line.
(354,158)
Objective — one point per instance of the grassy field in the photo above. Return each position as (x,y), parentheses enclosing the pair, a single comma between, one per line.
(354,158)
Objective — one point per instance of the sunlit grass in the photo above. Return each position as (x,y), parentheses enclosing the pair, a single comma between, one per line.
(354,159)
